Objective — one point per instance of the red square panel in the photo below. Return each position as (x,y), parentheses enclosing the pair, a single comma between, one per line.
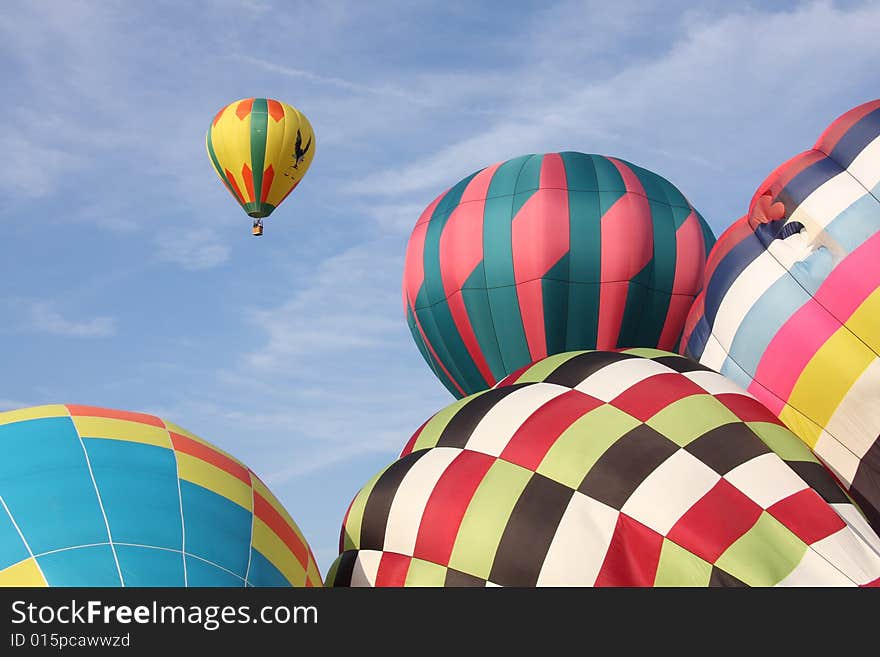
(715,522)
(646,398)
(747,408)
(392,569)
(807,515)
(632,556)
(534,438)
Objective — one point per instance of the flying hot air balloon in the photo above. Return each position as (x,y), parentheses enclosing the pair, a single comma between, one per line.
(260,148)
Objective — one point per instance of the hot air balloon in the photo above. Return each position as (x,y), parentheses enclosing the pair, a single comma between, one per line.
(632,468)
(791,308)
(261,149)
(547,253)
(98,497)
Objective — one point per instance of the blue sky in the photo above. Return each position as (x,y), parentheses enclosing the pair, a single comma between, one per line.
(129,278)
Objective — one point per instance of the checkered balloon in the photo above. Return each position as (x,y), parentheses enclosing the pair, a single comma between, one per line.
(592,468)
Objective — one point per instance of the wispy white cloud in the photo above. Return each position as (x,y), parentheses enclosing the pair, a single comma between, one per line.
(45,318)
(341,305)
(681,109)
(193,248)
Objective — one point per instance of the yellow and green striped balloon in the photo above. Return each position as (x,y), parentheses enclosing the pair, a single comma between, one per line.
(261,148)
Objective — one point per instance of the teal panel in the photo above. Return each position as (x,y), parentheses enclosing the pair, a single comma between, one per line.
(143,566)
(138,486)
(86,566)
(217,529)
(263,572)
(199,573)
(46,485)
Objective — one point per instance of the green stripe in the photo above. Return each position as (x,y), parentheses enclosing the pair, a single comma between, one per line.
(438,323)
(545,367)
(555,292)
(586,175)
(425,573)
(476,301)
(258,210)
(498,263)
(647,352)
(708,236)
(259,127)
(686,419)
(352,529)
(426,354)
(434,428)
(486,517)
(580,446)
(330,580)
(216,164)
(765,555)
(678,567)
(782,441)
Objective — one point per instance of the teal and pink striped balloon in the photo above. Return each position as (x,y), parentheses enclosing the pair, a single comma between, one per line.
(549,253)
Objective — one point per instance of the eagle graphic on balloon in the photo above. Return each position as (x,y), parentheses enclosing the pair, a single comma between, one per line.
(635,403)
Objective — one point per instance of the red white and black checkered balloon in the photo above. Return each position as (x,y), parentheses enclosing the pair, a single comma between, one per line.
(632,468)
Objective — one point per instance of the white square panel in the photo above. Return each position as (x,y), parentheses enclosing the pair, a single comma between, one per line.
(669,491)
(766,479)
(578,549)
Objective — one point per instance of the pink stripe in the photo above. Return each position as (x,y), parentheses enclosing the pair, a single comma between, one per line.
(694,315)
(627,246)
(839,127)
(736,233)
(690,258)
(782,175)
(414,265)
(461,251)
(853,280)
(795,344)
(540,238)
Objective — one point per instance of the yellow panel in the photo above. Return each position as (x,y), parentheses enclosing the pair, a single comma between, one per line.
(865,321)
(260,487)
(135,432)
(267,543)
(801,426)
(208,476)
(280,141)
(24,573)
(174,428)
(232,136)
(313,573)
(33,413)
(829,375)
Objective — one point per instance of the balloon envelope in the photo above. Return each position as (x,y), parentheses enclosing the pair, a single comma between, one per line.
(791,308)
(260,148)
(638,468)
(97,497)
(547,253)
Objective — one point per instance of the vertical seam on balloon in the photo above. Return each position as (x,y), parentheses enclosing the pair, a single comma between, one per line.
(180,501)
(452,368)
(675,271)
(247,570)
(23,539)
(513,258)
(485,274)
(100,503)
